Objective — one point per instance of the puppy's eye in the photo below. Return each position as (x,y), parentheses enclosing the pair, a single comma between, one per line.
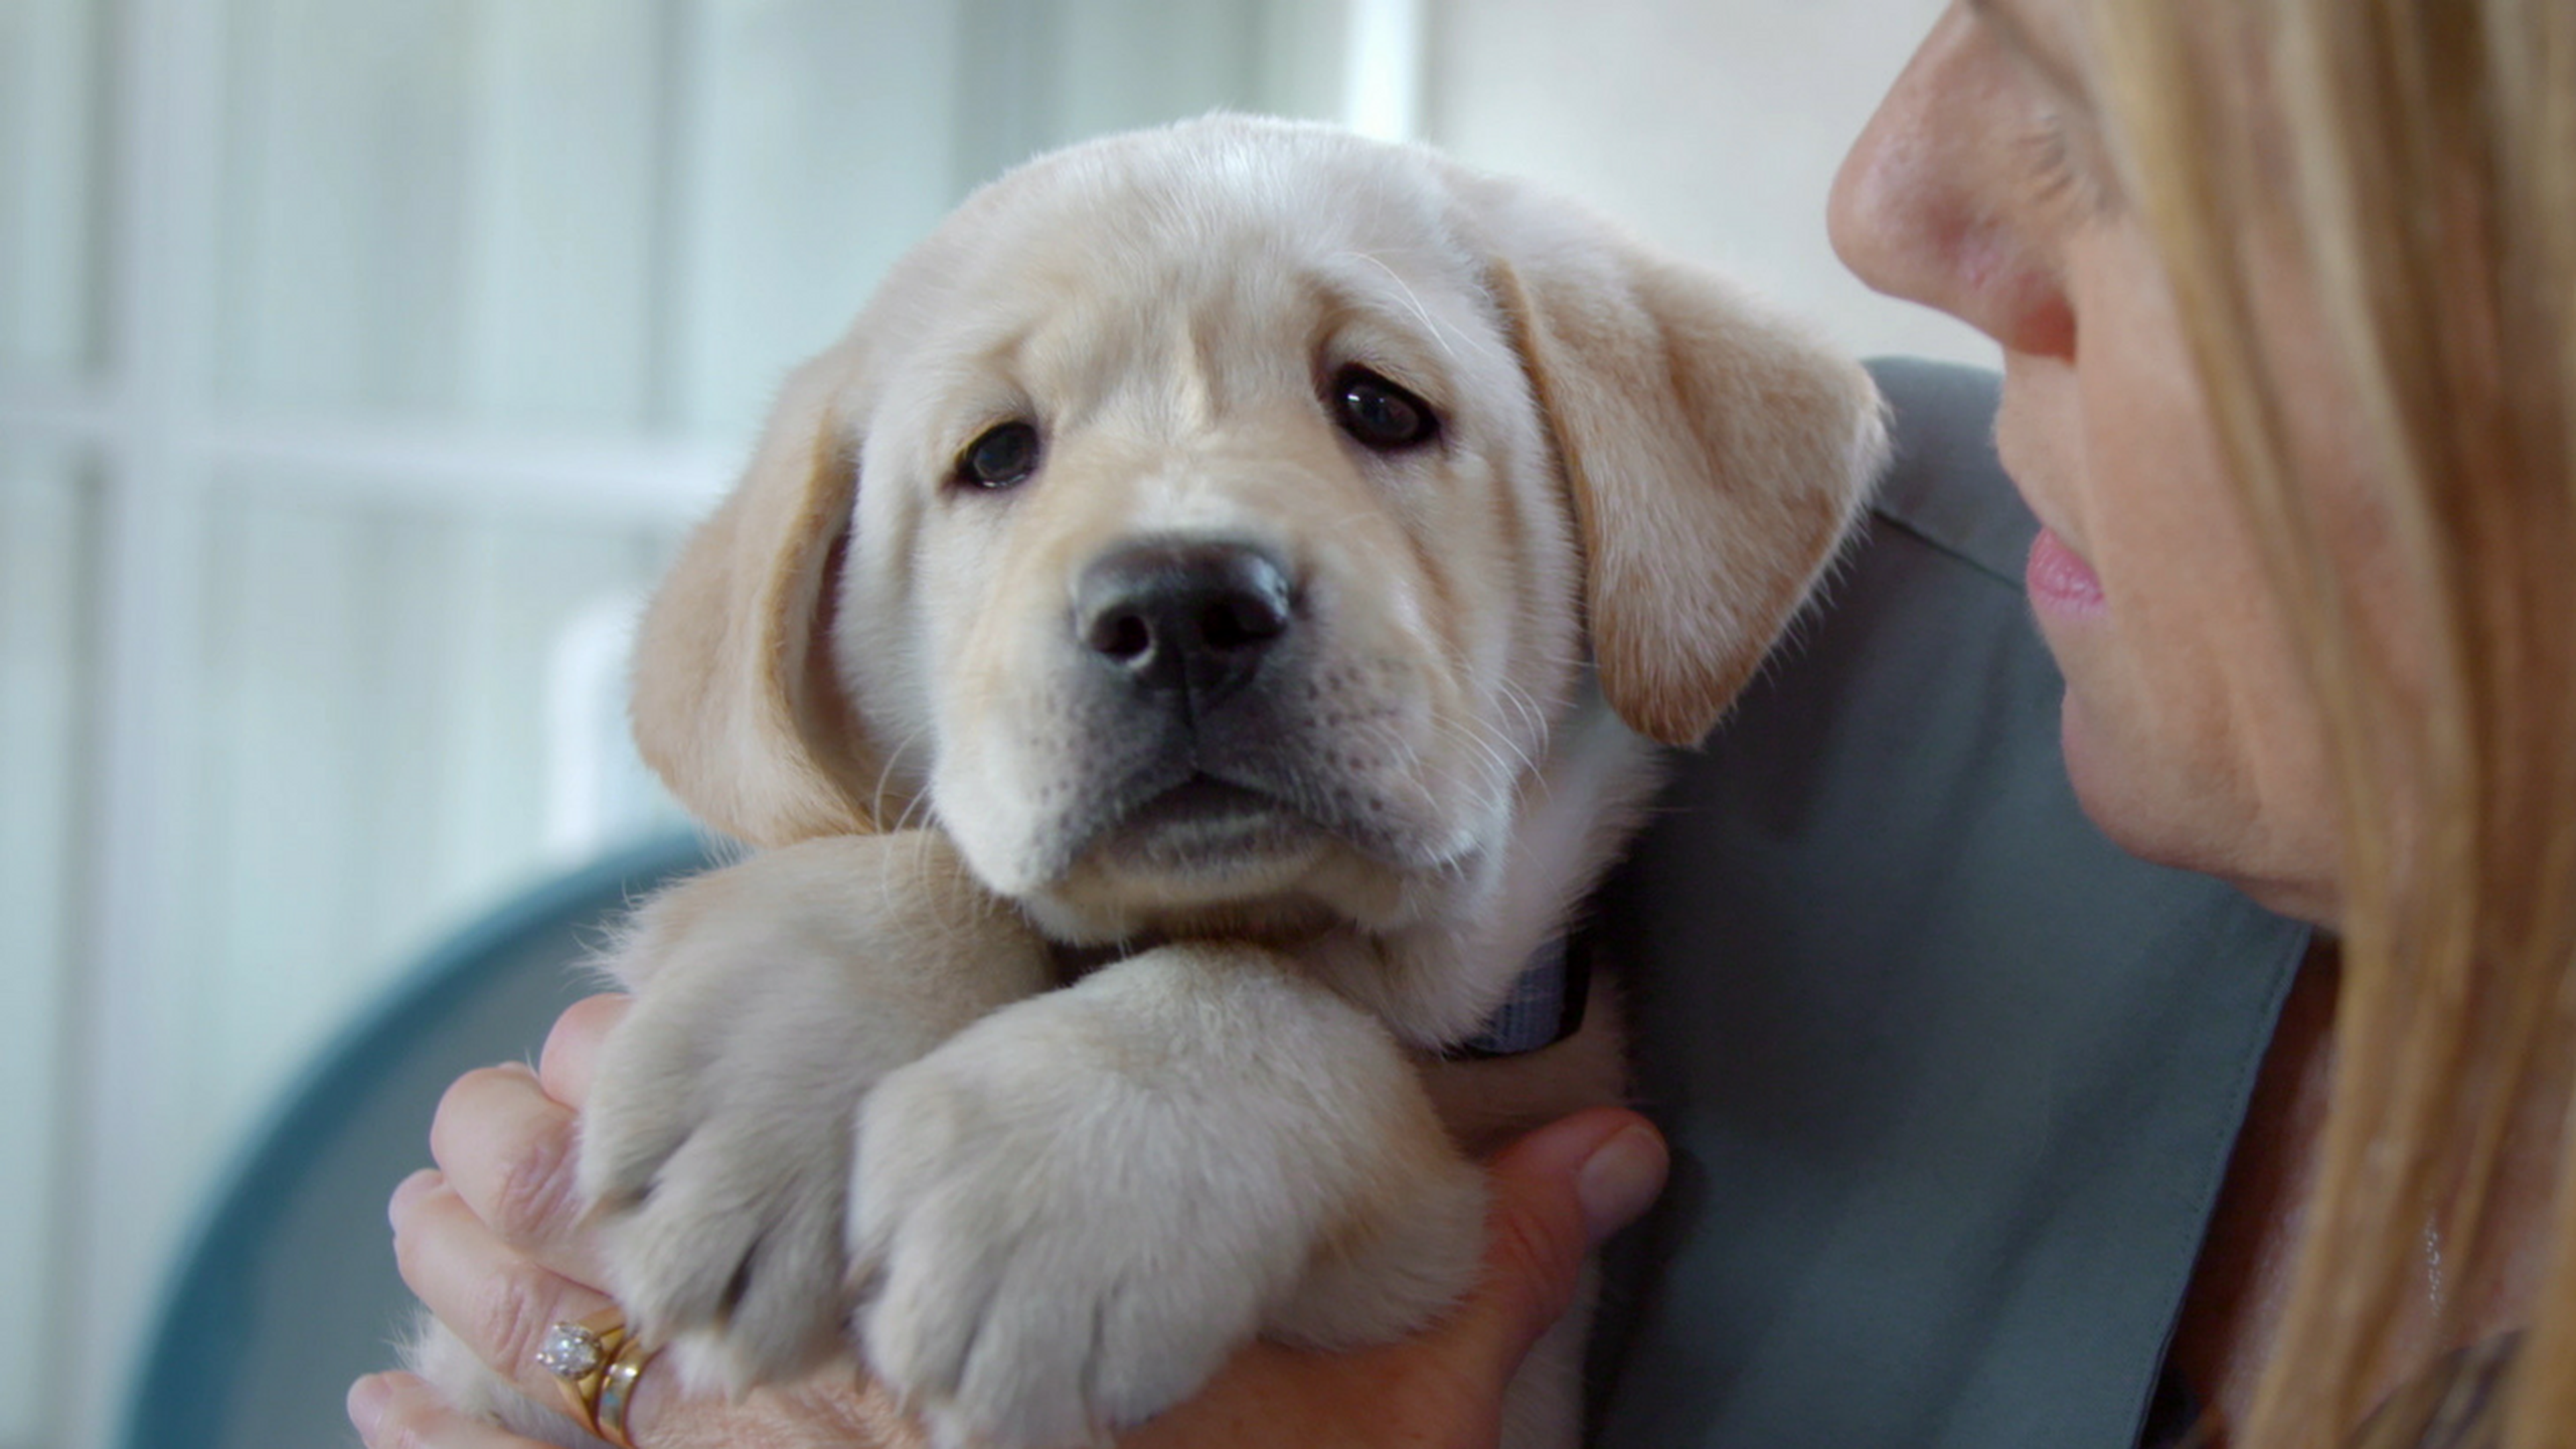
(1003,457)
(1379,414)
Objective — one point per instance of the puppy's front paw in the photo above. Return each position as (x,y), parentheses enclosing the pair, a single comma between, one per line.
(1053,1256)
(716,1146)
(1070,1215)
(717,1149)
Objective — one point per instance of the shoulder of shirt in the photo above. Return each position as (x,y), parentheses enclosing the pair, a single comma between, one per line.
(1943,484)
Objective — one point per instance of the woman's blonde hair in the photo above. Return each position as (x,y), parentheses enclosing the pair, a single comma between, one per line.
(2404,171)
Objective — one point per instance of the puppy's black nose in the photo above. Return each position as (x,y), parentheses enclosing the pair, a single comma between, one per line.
(1187,618)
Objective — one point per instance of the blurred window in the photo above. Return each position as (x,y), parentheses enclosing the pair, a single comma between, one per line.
(361,364)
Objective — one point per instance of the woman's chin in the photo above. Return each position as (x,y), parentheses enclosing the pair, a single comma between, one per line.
(2142,812)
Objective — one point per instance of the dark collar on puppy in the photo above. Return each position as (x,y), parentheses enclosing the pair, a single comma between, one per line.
(1072,963)
(1545,1007)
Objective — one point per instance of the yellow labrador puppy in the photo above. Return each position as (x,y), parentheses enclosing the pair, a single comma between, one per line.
(1181,657)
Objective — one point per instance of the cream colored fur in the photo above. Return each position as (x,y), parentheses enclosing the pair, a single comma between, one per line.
(855,1094)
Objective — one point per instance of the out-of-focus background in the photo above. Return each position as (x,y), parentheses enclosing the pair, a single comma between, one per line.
(362,360)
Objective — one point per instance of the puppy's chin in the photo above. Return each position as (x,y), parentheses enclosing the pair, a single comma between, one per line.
(1172,849)
(1206,841)
(1256,873)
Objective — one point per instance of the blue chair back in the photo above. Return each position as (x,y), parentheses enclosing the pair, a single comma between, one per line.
(288,1291)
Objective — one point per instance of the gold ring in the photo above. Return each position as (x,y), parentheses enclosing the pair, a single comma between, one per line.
(617,1390)
(579,1353)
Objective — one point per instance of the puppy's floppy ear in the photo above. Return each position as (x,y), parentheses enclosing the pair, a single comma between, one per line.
(1715,452)
(737,705)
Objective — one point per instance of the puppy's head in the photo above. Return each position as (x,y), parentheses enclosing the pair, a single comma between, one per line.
(1210,527)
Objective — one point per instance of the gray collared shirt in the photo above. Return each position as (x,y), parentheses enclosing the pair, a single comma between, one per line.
(1951,1081)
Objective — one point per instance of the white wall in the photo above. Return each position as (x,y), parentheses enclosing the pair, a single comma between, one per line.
(1712,127)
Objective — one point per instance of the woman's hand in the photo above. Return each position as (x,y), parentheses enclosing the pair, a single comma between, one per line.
(492,1242)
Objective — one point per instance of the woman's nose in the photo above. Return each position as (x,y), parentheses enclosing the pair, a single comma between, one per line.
(1929,205)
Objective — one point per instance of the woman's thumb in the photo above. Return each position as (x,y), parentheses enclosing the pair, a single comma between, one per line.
(1557,1193)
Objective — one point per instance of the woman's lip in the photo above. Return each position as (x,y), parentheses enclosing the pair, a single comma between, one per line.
(2059,580)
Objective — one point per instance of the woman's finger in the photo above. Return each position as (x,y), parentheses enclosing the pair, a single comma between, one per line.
(398,1411)
(1558,1193)
(498,1302)
(508,1148)
(571,1057)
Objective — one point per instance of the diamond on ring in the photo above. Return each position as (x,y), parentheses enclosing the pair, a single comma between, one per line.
(571,1351)
(579,1354)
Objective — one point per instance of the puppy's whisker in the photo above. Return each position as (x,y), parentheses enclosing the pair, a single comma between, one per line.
(1521,754)
(916,814)
(1500,756)
(945,931)
(917,810)
(1465,734)
(1518,753)
(885,777)
(1356,516)
(1430,324)
(1533,719)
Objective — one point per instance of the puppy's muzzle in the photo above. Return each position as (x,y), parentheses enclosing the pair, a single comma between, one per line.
(1184,624)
